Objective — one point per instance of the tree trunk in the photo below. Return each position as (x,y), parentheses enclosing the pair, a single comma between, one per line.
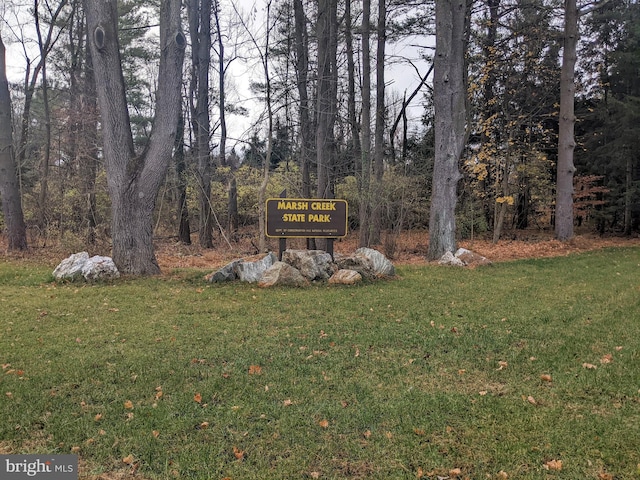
(351,89)
(302,65)
(449,93)
(378,166)
(9,188)
(365,182)
(200,30)
(134,180)
(184,229)
(566,140)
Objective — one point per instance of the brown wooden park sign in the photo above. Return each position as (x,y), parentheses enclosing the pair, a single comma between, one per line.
(306,218)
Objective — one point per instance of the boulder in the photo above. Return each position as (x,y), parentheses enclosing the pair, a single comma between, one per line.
(312,264)
(100,268)
(71,267)
(225,274)
(382,266)
(281,273)
(345,277)
(79,265)
(470,258)
(360,263)
(251,272)
(450,259)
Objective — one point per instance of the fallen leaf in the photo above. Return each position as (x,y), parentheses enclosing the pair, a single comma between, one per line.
(605,476)
(455,472)
(589,366)
(255,370)
(389,435)
(155,433)
(324,423)
(204,425)
(98,417)
(128,459)
(531,400)
(502,475)
(420,473)
(502,365)
(287,402)
(545,377)
(482,393)
(239,454)
(618,348)
(75,449)
(608,358)
(197,398)
(9,395)
(418,431)
(553,465)
(314,474)
(128,405)
(367,434)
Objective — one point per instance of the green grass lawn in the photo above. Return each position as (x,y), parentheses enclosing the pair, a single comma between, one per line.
(527,370)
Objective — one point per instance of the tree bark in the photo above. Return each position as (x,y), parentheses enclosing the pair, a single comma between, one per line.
(449,91)
(365,182)
(566,140)
(200,30)
(134,180)
(9,188)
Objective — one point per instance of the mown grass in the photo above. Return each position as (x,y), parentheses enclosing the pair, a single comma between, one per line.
(437,370)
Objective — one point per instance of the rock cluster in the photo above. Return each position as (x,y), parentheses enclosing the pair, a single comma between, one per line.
(80,265)
(300,267)
(463,258)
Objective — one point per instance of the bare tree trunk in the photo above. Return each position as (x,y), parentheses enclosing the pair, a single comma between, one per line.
(9,188)
(365,183)
(184,229)
(450,116)
(351,88)
(566,140)
(301,66)
(134,180)
(378,168)
(200,30)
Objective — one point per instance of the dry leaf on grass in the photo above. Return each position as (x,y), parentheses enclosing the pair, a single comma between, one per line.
(128,459)
(128,405)
(608,358)
(545,378)
(239,454)
(589,366)
(324,423)
(553,465)
(197,398)
(255,370)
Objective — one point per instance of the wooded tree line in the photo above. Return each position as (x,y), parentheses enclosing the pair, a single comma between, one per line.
(122,126)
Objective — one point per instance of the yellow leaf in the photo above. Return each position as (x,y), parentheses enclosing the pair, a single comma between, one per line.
(324,423)
(128,405)
(197,398)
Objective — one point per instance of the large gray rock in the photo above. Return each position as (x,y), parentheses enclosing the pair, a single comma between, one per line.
(450,259)
(282,274)
(382,266)
(71,267)
(252,272)
(79,265)
(358,262)
(226,273)
(312,264)
(100,268)
(345,277)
